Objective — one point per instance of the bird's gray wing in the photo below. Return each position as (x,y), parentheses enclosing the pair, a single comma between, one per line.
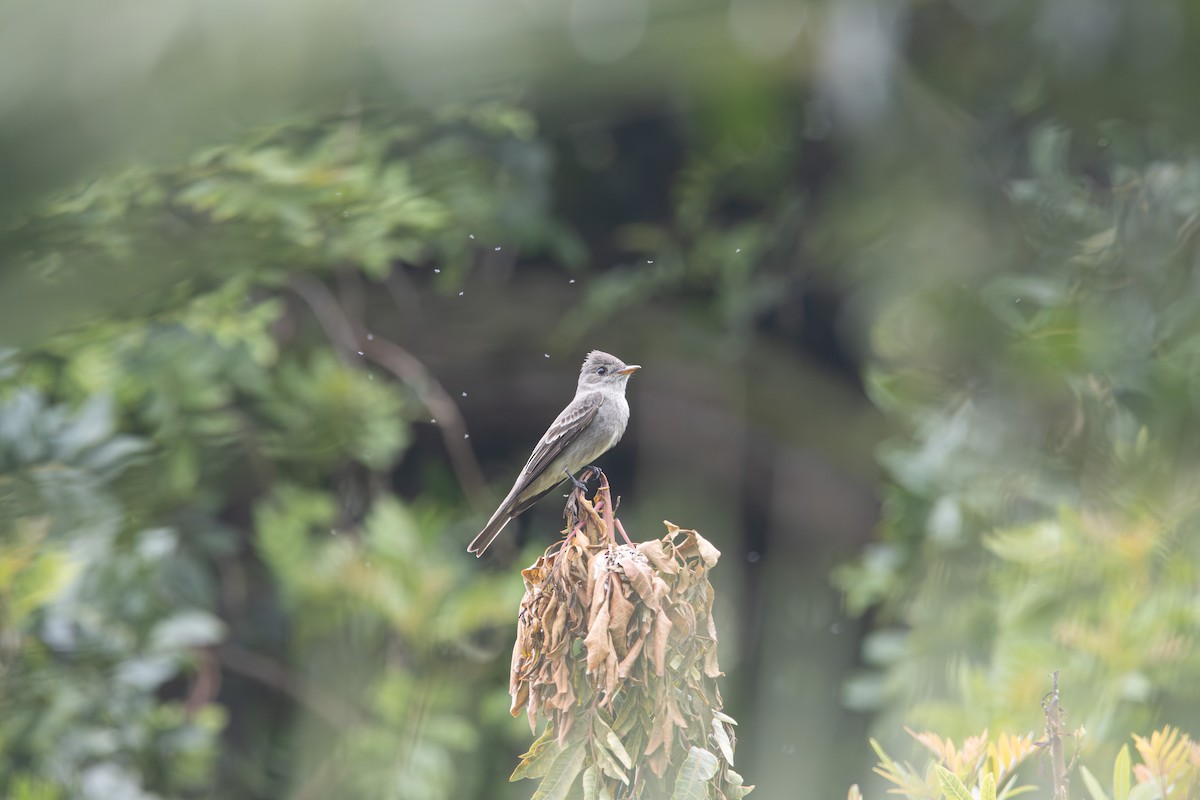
(564,430)
(574,418)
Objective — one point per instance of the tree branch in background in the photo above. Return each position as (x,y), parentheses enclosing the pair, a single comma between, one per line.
(328,707)
(349,338)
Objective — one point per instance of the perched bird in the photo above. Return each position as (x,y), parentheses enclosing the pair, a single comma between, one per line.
(589,426)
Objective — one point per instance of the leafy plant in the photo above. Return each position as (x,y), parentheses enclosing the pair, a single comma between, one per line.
(616,651)
(1041,503)
(1169,769)
(198,542)
(94,618)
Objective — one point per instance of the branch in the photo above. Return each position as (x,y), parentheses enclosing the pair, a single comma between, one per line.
(268,671)
(348,338)
(1055,729)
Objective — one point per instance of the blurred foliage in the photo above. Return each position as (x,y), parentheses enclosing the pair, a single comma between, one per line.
(362,191)
(198,532)
(202,492)
(1169,770)
(1040,511)
(96,614)
(979,768)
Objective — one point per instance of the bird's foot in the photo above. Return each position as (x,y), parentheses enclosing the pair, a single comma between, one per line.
(590,472)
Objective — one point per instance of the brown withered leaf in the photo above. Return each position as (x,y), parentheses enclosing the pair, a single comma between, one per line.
(598,642)
(620,612)
(661,554)
(641,578)
(616,654)
(630,658)
(662,632)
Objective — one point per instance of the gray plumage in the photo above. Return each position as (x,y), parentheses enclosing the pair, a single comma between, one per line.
(588,427)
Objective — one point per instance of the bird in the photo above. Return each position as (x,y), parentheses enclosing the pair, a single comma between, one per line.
(588,427)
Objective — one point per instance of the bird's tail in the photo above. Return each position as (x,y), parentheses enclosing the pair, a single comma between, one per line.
(489,533)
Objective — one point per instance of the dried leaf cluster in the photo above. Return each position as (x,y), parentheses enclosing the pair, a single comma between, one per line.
(617,651)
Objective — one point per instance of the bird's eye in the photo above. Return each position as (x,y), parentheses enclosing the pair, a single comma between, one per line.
(602,370)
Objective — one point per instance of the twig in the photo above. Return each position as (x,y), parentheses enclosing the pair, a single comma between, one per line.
(610,513)
(621,530)
(206,683)
(398,361)
(266,670)
(1054,733)
(329,314)
(607,508)
(347,339)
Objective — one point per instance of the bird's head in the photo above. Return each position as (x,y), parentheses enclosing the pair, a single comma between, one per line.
(600,370)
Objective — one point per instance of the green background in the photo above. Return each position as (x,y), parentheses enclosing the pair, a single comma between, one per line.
(914,286)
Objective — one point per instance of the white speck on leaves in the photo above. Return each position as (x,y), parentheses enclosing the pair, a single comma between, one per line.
(360,352)
(433,421)
(464,394)
(466,436)
(436,270)
(497,249)
(460,294)
(738,250)
(649,260)
(471,236)
(547,355)
(571,281)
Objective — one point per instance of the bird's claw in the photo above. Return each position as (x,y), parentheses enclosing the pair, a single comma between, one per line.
(592,472)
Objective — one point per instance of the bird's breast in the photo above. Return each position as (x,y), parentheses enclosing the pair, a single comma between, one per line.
(617,414)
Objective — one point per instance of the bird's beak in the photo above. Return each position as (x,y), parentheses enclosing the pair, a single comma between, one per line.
(632,368)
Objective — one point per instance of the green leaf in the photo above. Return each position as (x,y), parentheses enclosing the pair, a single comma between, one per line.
(562,773)
(613,741)
(987,791)
(591,784)
(607,763)
(735,786)
(1013,791)
(697,770)
(1121,775)
(1145,791)
(194,628)
(723,740)
(91,426)
(542,753)
(1093,785)
(951,785)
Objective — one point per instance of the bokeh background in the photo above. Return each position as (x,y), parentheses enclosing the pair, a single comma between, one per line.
(289,289)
